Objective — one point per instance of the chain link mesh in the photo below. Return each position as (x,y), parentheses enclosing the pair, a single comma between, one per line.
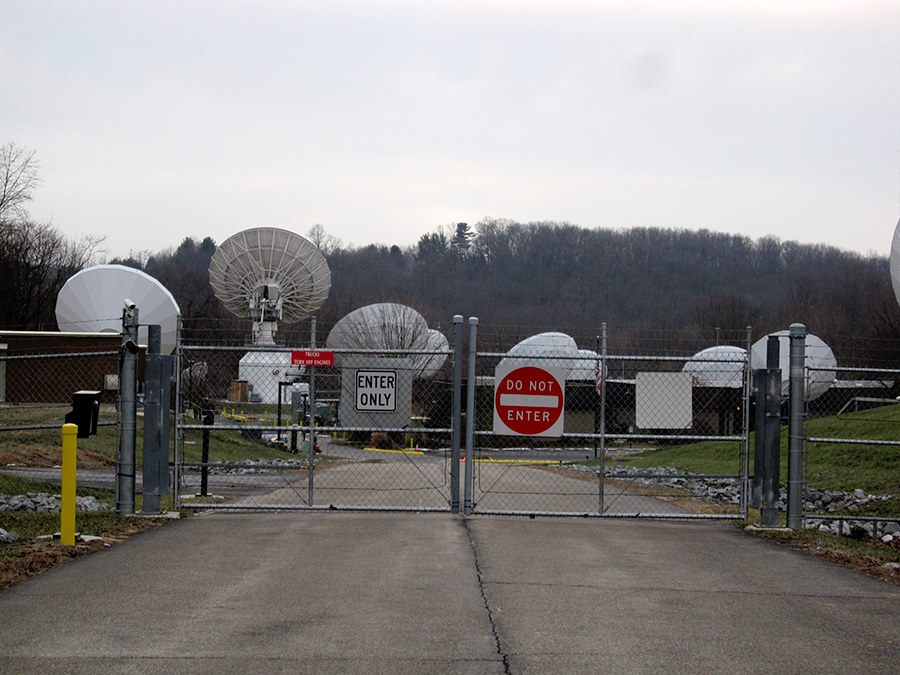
(852,451)
(625,419)
(373,428)
(659,415)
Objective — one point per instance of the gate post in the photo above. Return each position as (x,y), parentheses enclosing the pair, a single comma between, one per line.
(312,414)
(152,476)
(795,426)
(767,453)
(748,384)
(470,416)
(456,412)
(125,458)
(602,377)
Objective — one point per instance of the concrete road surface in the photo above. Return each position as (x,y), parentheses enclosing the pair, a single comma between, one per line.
(321,592)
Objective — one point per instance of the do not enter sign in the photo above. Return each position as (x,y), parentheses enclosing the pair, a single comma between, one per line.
(529,401)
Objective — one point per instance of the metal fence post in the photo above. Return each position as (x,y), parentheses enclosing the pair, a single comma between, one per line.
(602,377)
(176,440)
(456,412)
(125,460)
(795,425)
(312,413)
(209,418)
(470,416)
(745,491)
(771,446)
(151,475)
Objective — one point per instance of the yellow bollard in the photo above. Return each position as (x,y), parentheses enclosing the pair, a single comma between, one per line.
(67,509)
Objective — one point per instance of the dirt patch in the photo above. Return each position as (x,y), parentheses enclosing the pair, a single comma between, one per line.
(44,456)
(23,560)
(872,565)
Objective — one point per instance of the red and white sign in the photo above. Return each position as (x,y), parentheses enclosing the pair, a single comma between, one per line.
(529,401)
(312,357)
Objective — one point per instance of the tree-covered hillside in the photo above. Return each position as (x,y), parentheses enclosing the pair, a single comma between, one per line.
(531,277)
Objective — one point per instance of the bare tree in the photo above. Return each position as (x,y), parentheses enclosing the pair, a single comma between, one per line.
(35,262)
(18,179)
(35,258)
(326,243)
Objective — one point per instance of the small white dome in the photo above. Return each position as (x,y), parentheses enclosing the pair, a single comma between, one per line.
(721,366)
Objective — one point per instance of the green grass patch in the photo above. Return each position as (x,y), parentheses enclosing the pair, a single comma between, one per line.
(706,457)
(830,466)
(231,446)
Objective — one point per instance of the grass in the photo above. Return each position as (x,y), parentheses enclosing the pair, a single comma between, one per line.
(33,553)
(231,446)
(829,466)
(19,485)
(42,447)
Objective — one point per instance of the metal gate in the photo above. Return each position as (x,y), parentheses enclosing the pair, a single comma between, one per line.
(307,428)
(616,411)
(282,428)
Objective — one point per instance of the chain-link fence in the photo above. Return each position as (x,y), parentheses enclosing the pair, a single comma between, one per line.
(603,433)
(39,373)
(617,423)
(269,427)
(261,427)
(852,449)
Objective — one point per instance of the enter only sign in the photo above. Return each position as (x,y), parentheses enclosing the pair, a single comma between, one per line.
(529,401)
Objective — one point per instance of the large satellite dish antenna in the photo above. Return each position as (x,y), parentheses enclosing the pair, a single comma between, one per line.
(895,261)
(383,325)
(544,350)
(270,275)
(819,360)
(390,325)
(92,300)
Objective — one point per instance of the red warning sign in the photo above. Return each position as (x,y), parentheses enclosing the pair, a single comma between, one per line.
(529,401)
(311,357)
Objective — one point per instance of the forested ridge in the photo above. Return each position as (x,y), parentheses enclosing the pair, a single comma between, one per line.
(532,277)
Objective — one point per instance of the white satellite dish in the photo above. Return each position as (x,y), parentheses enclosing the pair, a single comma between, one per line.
(390,325)
(383,325)
(92,300)
(585,367)
(721,366)
(429,364)
(895,262)
(819,359)
(270,275)
(553,350)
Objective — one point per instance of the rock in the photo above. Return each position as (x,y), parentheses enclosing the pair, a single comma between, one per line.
(859,493)
(42,502)
(8,537)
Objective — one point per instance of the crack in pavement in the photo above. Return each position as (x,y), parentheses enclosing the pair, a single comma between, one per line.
(502,650)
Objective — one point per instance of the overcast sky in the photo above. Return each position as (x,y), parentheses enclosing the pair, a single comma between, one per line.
(382,120)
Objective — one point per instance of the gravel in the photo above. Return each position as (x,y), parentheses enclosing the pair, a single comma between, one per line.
(727,490)
(42,502)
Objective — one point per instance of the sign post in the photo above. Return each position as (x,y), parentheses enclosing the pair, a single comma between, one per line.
(529,401)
